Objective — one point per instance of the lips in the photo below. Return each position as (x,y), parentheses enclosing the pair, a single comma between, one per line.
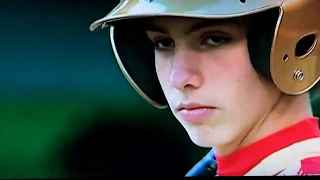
(192,106)
(194,112)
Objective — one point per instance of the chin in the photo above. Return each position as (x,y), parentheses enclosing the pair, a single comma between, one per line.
(201,143)
(208,138)
(201,138)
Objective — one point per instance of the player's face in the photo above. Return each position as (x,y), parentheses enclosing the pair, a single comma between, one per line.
(207,77)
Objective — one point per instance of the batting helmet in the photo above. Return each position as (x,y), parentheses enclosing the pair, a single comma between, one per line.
(282,39)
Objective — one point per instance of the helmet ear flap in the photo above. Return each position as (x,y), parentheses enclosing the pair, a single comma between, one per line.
(134,53)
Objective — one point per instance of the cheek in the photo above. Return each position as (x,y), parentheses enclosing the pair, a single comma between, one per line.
(240,87)
(230,69)
(163,68)
(234,81)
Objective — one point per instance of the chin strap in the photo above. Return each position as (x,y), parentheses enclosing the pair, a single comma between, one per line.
(207,166)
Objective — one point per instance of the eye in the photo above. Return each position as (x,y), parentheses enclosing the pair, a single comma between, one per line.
(163,44)
(215,41)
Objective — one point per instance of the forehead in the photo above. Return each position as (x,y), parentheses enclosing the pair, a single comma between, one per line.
(164,24)
(174,20)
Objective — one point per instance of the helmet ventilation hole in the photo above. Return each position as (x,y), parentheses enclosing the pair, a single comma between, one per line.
(305,46)
(243,1)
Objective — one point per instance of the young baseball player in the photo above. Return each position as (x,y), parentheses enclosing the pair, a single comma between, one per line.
(238,75)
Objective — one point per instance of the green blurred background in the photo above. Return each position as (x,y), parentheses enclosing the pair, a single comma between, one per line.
(65,108)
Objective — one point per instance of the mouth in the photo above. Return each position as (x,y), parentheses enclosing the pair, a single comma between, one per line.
(193,106)
(194,113)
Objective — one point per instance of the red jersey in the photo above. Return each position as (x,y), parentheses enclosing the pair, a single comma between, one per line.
(292,151)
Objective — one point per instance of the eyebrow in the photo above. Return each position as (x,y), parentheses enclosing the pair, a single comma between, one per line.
(197,26)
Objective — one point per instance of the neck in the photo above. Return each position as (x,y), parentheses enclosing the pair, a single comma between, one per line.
(287,111)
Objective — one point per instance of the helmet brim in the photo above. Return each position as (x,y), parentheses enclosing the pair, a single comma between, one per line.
(210,9)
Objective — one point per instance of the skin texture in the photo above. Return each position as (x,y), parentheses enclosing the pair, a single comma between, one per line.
(211,66)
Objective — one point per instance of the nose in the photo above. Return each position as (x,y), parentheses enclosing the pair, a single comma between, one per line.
(186,72)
